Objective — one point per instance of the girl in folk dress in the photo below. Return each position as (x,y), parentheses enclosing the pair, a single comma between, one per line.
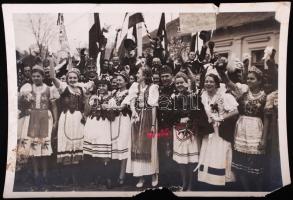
(121,126)
(97,131)
(70,129)
(144,98)
(249,144)
(37,124)
(216,153)
(185,140)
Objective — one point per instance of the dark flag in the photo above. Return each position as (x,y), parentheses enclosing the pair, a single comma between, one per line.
(160,43)
(95,34)
(162,33)
(135,19)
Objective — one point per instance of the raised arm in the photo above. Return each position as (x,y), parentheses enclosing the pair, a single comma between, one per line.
(225,79)
(54,113)
(56,82)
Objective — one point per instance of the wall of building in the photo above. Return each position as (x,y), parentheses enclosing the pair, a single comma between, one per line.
(247,38)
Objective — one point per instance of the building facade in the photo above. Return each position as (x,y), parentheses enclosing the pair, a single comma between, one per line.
(236,34)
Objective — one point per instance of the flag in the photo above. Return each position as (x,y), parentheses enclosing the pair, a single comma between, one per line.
(162,34)
(194,43)
(130,30)
(95,34)
(63,41)
(136,35)
(113,51)
(135,19)
(64,53)
(60,19)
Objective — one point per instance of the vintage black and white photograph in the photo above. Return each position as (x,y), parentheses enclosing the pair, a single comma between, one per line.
(109,100)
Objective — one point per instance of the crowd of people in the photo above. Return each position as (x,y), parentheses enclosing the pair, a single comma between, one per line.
(207,119)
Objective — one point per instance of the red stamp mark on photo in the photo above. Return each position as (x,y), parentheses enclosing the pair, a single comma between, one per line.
(161,133)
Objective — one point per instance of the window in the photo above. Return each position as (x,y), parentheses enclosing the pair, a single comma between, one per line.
(256,58)
(226,55)
(178,29)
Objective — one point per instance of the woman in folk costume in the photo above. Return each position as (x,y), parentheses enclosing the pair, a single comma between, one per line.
(216,152)
(144,98)
(250,138)
(249,144)
(121,126)
(35,127)
(97,131)
(70,129)
(185,140)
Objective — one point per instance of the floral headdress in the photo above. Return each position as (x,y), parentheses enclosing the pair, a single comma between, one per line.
(255,70)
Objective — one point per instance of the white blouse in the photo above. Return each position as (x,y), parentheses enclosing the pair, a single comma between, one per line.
(225,101)
(153,97)
(27,89)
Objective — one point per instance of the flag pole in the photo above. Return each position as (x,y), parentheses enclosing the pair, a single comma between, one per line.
(139,39)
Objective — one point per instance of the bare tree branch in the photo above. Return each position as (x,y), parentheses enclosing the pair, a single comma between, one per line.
(42,27)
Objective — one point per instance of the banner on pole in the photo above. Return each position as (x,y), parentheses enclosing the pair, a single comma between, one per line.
(195,22)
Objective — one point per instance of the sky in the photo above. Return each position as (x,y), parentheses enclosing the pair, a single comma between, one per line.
(77,27)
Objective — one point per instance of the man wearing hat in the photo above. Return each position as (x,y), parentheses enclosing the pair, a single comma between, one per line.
(196,64)
(165,122)
(156,65)
(117,67)
(130,56)
(192,63)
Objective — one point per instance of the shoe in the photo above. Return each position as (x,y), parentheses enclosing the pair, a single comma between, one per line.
(184,188)
(120,181)
(140,183)
(38,183)
(155,180)
(108,183)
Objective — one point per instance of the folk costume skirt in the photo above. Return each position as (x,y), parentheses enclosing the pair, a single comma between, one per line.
(97,138)
(185,145)
(70,138)
(248,154)
(34,135)
(143,159)
(215,160)
(121,134)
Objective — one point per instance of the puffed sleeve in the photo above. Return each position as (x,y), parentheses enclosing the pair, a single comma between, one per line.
(62,87)
(153,98)
(126,100)
(271,102)
(25,89)
(132,92)
(54,94)
(86,87)
(230,103)
(239,90)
